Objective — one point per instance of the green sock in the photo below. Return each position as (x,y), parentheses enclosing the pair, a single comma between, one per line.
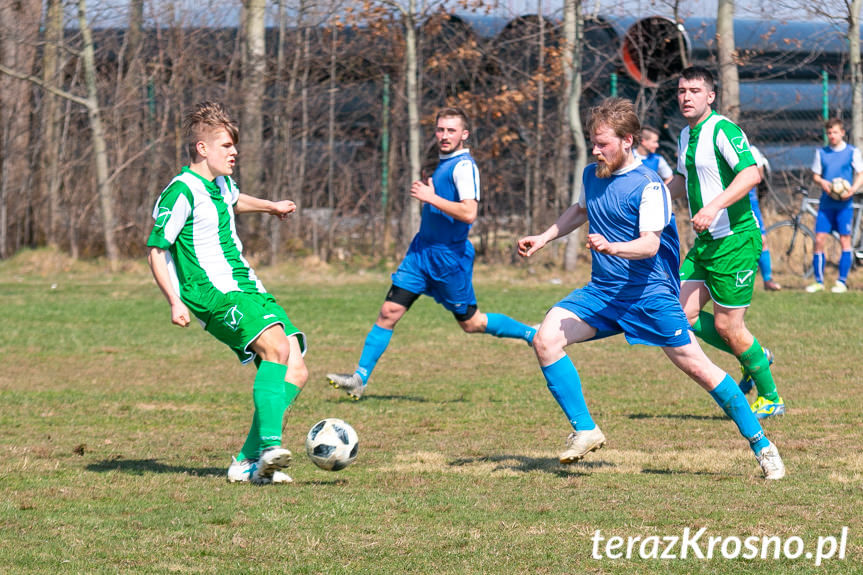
(252,447)
(269,396)
(757,366)
(705,328)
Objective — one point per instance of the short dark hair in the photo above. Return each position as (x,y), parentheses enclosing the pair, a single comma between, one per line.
(650,129)
(834,122)
(617,114)
(700,73)
(454,112)
(204,117)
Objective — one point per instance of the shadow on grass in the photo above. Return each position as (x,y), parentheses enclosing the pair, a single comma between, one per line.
(649,471)
(142,466)
(524,464)
(377,397)
(676,416)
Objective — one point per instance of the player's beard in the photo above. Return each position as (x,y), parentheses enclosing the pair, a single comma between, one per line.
(605,169)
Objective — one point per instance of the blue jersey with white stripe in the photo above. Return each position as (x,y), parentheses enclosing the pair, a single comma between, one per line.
(437,227)
(836,164)
(613,209)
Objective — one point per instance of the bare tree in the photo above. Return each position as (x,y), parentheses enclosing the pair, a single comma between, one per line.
(573,25)
(254,83)
(729,81)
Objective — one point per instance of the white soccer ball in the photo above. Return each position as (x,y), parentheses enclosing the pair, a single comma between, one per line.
(332,444)
(839,186)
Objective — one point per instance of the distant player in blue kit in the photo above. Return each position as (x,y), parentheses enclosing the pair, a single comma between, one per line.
(646,151)
(835,160)
(765,263)
(633,288)
(439,261)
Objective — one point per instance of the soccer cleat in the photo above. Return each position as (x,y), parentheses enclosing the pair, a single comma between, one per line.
(351,383)
(816,287)
(770,462)
(241,471)
(272,459)
(764,408)
(580,443)
(746,383)
(280,477)
(771,285)
(840,287)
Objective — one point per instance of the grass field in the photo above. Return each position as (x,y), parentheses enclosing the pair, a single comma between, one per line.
(116,429)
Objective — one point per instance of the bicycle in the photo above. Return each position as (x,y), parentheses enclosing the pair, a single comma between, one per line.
(792,241)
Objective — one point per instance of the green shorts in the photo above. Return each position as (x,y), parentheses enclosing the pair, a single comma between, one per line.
(727,267)
(237,319)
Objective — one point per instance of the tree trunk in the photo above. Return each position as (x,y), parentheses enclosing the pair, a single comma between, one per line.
(729,82)
(856,73)
(538,187)
(100,149)
(412,208)
(574,34)
(49,170)
(254,80)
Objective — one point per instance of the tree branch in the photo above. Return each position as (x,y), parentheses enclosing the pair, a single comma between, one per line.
(44,86)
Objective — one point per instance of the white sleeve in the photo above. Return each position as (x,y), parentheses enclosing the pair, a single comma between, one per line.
(581,200)
(816,163)
(664,170)
(857,161)
(465,176)
(654,213)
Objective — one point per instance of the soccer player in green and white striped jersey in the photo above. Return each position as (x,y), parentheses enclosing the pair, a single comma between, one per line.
(716,170)
(197,261)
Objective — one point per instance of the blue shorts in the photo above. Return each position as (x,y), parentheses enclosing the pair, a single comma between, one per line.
(656,319)
(444,272)
(756,209)
(839,219)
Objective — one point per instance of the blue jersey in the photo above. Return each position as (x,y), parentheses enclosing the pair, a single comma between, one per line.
(614,210)
(836,164)
(437,227)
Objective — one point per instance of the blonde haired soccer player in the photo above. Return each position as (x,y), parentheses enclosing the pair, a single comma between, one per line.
(197,261)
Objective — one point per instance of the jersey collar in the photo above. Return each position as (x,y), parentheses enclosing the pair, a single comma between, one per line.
(209,185)
(454,154)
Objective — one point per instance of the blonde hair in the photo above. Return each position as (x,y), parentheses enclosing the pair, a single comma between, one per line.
(617,114)
(207,117)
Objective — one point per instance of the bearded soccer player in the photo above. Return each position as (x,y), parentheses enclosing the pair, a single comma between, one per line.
(633,286)
(716,170)
(197,261)
(439,261)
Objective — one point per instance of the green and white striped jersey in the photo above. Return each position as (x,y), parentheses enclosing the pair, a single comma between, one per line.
(194,223)
(709,156)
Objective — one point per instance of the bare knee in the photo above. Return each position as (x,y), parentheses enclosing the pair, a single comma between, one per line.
(298,373)
(475,323)
(547,346)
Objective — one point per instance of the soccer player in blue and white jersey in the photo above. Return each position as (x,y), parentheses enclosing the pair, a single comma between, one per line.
(197,261)
(439,261)
(648,143)
(633,286)
(835,160)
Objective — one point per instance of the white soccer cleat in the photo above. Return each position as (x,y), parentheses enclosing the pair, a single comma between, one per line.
(771,463)
(280,477)
(816,287)
(272,459)
(241,471)
(350,383)
(840,287)
(580,443)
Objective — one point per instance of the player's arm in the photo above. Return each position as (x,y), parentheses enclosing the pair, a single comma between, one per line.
(645,246)
(816,173)
(570,220)
(745,180)
(463,211)
(159,266)
(247,204)
(857,165)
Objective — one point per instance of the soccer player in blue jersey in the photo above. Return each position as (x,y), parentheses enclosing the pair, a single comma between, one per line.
(835,160)
(648,143)
(633,286)
(439,261)
(765,263)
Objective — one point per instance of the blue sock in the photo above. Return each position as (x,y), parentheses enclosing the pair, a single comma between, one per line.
(375,346)
(500,325)
(818,266)
(565,385)
(844,266)
(765,265)
(734,404)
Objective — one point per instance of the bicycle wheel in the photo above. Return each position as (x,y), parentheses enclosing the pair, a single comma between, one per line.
(791,247)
